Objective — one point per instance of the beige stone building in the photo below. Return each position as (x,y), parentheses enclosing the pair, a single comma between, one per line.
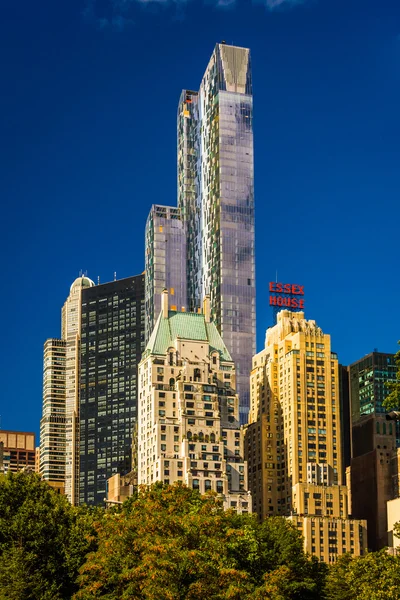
(188,417)
(293,440)
(17,450)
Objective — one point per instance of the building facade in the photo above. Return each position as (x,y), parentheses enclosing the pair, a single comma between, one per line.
(71,334)
(216,205)
(18,450)
(52,424)
(371,474)
(367,378)
(293,440)
(165,262)
(188,423)
(112,341)
(216,196)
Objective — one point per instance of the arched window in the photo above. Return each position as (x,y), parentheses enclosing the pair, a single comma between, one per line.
(212,438)
(201,436)
(384,428)
(390,428)
(206,438)
(207,485)
(377,427)
(196,484)
(214,360)
(197,375)
(189,435)
(220,487)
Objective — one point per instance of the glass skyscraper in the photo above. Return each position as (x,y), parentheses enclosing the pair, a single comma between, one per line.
(216,202)
(165,261)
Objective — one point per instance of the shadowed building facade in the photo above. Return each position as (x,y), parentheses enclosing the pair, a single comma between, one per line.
(112,341)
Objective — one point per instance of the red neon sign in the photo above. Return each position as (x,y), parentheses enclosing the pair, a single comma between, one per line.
(285,295)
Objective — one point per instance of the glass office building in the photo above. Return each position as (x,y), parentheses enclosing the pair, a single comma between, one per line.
(216,198)
(112,341)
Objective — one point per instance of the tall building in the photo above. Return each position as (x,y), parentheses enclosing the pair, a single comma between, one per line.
(71,334)
(367,378)
(17,450)
(293,440)
(165,261)
(189,427)
(112,341)
(372,470)
(374,461)
(52,424)
(216,203)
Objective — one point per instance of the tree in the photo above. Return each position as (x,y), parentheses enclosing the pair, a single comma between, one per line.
(43,540)
(392,401)
(170,543)
(375,576)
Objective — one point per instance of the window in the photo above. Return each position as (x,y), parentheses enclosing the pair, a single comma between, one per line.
(196,484)
(207,485)
(220,487)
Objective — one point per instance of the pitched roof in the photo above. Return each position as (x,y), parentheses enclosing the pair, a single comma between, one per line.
(187,326)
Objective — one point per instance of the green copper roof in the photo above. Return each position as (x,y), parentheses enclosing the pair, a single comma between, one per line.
(187,326)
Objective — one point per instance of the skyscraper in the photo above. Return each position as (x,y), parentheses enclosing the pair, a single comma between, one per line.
(112,341)
(216,203)
(71,333)
(52,424)
(165,261)
(216,196)
(293,441)
(188,409)
(374,460)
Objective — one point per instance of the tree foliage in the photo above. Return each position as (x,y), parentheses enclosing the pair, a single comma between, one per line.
(392,401)
(42,540)
(166,543)
(375,576)
(170,543)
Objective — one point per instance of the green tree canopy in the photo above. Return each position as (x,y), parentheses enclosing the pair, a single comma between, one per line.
(375,576)
(170,543)
(43,540)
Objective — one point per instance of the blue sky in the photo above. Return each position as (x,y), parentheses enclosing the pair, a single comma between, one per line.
(88,143)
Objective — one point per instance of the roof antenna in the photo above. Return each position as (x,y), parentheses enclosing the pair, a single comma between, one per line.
(98,279)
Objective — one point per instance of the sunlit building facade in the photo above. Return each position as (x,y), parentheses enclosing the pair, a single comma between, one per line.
(165,262)
(293,440)
(216,197)
(53,422)
(188,427)
(216,206)
(71,333)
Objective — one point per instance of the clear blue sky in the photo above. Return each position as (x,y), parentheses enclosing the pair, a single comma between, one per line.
(89,90)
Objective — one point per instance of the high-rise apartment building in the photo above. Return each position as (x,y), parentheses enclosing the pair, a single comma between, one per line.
(189,427)
(112,341)
(71,334)
(165,261)
(52,424)
(216,203)
(18,450)
(293,440)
